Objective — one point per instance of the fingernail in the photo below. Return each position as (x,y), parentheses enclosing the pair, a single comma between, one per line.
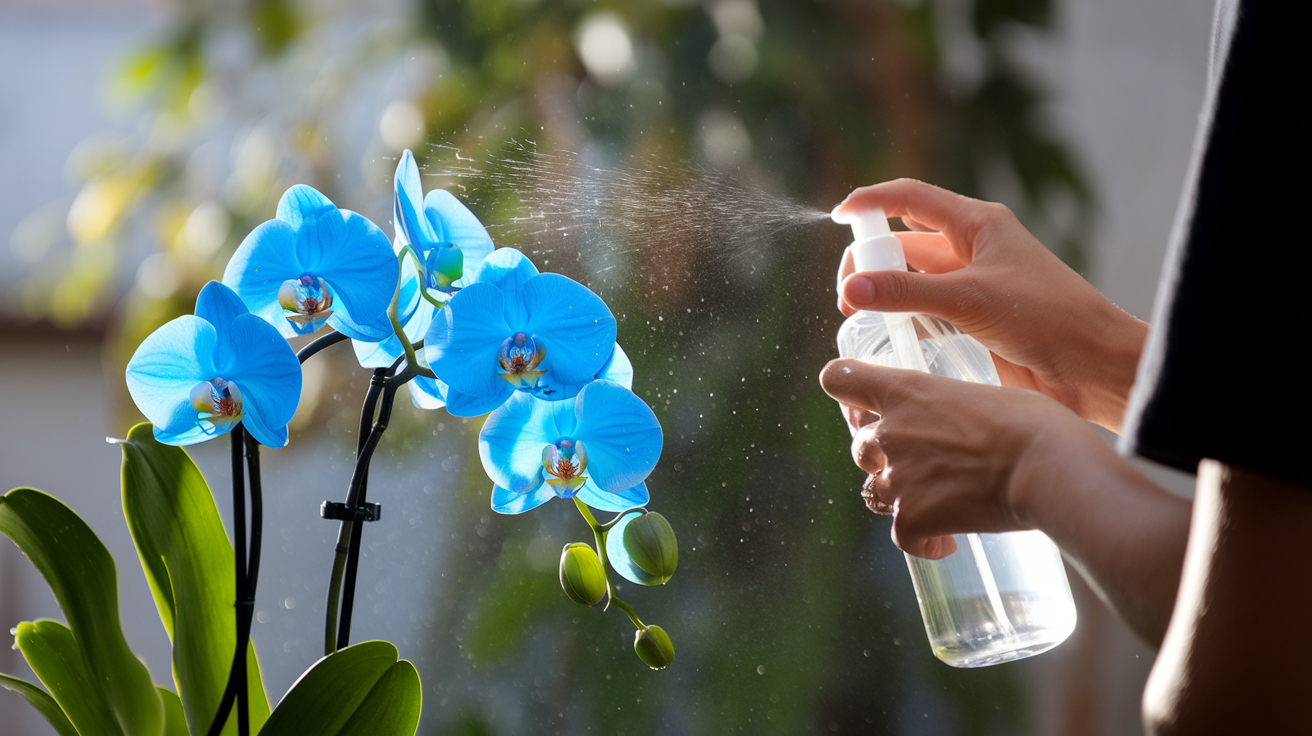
(859,290)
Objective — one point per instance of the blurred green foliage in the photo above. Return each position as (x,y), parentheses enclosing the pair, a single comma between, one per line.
(790,611)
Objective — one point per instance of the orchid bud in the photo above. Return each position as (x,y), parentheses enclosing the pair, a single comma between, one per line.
(654,647)
(581,574)
(651,544)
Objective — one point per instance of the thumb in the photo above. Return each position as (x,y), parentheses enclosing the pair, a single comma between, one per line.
(859,384)
(906,291)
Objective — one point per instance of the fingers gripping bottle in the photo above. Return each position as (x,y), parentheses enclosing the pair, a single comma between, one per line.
(999,597)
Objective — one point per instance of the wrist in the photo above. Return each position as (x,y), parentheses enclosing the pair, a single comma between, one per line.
(1110,365)
(1059,472)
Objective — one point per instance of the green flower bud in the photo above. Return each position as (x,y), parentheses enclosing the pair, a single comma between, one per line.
(654,647)
(581,574)
(651,544)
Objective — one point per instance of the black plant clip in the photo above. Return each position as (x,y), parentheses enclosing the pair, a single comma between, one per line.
(341,512)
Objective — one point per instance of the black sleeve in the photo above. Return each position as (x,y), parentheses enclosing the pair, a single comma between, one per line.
(1226,371)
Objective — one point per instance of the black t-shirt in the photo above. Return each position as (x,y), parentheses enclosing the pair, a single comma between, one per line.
(1226,371)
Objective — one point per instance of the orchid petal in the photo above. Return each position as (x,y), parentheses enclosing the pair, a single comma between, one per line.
(509,502)
(409,299)
(193,431)
(618,369)
(453,223)
(469,405)
(377,354)
(462,343)
(219,305)
(316,220)
(363,272)
(165,368)
(575,323)
(629,498)
(264,260)
(507,269)
(383,354)
(411,225)
(426,393)
(511,442)
(270,377)
(624,438)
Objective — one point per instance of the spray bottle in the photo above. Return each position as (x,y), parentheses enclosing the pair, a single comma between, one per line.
(999,597)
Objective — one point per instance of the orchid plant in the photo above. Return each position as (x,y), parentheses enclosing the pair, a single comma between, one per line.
(438,309)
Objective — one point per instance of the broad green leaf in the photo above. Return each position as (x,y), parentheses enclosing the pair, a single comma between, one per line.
(80,573)
(54,656)
(365,682)
(392,707)
(188,561)
(175,721)
(41,700)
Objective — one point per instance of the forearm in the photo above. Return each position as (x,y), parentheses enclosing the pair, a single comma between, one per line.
(1234,658)
(1124,533)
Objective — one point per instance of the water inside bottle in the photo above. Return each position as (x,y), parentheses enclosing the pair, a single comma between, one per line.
(999,597)
(1029,612)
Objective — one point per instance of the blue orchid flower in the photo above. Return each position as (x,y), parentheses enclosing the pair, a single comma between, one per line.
(599,446)
(516,329)
(199,375)
(315,265)
(452,244)
(431,394)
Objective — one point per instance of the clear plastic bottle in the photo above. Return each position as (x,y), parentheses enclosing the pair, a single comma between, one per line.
(999,597)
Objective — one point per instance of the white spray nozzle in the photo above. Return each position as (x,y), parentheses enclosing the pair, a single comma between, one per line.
(874,246)
(866,224)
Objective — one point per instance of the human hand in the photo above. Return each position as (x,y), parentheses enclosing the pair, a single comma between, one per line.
(951,457)
(1048,328)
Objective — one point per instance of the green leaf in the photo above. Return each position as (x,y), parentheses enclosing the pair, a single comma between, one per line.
(188,561)
(80,573)
(392,707)
(51,652)
(175,720)
(42,701)
(361,689)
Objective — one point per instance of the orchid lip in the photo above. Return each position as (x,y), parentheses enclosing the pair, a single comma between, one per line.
(307,303)
(519,358)
(564,463)
(218,402)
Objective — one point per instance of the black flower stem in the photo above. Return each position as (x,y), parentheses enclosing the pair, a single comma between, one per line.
(245,454)
(309,351)
(599,532)
(361,483)
(257,535)
(345,530)
(341,597)
(239,548)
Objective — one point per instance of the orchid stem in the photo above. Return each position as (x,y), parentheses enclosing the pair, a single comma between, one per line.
(632,614)
(345,530)
(245,458)
(421,272)
(599,532)
(309,351)
(346,560)
(413,365)
(362,484)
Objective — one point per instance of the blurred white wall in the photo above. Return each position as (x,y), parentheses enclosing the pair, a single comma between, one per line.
(1127,81)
